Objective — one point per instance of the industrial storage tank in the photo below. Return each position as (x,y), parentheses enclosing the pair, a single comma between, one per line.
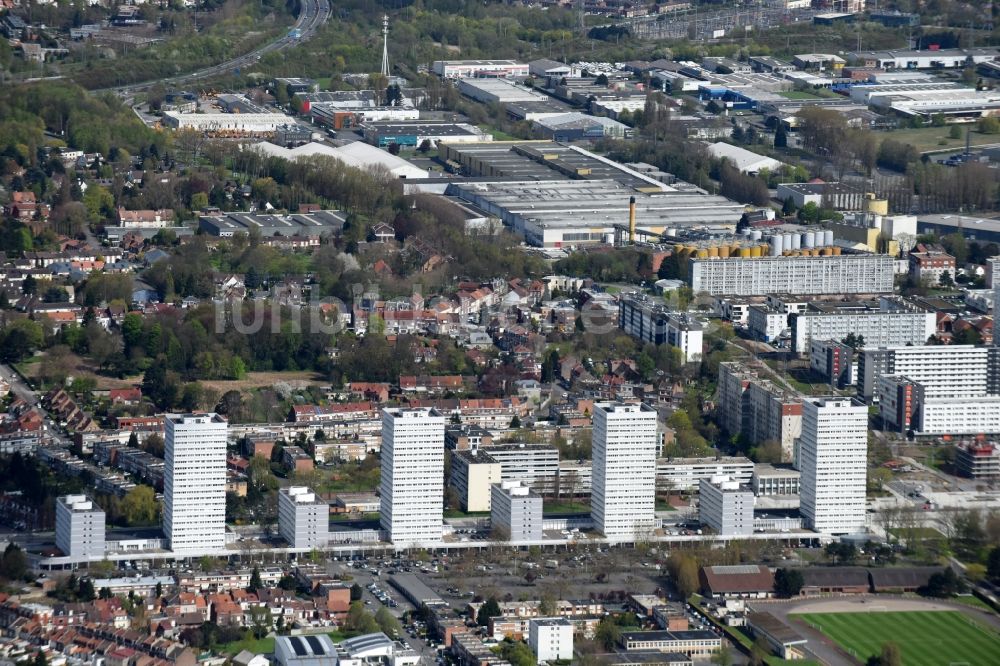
(756,234)
(745,252)
(828,237)
(776,246)
(713,252)
(810,239)
(757,250)
(796,241)
(702,253)
(836,251)
(725,251)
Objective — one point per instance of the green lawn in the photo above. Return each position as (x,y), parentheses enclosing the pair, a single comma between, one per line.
(255,645)
(925,638)
(565,507)
(928,138)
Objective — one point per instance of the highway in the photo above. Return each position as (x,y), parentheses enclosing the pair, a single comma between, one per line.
(312,15)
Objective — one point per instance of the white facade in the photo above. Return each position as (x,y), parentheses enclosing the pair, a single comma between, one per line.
(765,323)
(80,530)
(303,518)
(516,512)
(550,638)
(958,416)
(624,469)
(892,324)
(725,506)
(687,473)
(945,371)
(758,276)
(412,482)
(461,69)
(194,482)
(649,320)
(240,123)
(833,461)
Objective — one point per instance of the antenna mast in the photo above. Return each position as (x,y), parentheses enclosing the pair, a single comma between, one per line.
(385,45)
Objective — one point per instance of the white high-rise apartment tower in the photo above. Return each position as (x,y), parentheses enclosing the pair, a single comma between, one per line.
(995,265)
(623,493)
(412,484)
(833,459)
(194,483)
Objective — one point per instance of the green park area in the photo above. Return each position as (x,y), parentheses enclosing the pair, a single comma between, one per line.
(925,638)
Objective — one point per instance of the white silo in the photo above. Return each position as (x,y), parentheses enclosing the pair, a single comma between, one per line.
(776,245)
(810,239)
(796,241)
(828,238)
(756,235)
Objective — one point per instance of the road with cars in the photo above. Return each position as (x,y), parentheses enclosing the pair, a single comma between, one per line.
(312,15)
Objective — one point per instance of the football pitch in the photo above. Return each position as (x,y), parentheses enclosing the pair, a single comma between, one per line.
(925,638)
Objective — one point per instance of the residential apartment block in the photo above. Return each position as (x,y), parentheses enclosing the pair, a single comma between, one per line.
(757,409)
(624,469)
(412,481)
(303,518)
(194,482)
(516,512)
(886,322)
(725,506)
(757,276)
(472,474)
(833,459)
(80,527)
(649,320)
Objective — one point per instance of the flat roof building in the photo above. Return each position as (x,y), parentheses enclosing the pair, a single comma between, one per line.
(228,124)
(496,69)
(648,319)
(303,518)
(758,276)
(318,223)
(725,506)
(473,472)
(516,512)
(194,482)
(80,527)
(978,460)
(889,321)
(412,479)
(414,133)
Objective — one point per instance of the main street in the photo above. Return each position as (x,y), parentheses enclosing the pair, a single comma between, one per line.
(312,15)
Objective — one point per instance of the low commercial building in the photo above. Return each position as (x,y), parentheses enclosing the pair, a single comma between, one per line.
(497,91)
(770,480)
(726,506)
(551,639)
(649,320)
(698,644)
(759,276)
(746,581)
(516,512)
(783,640)
(491,69)
(745,160)
(80,527)
(473,472)
(576,126)
(415,133)
(885,322)
(317,223)
(931,59)
(687,473)
(303,518)
(978,460)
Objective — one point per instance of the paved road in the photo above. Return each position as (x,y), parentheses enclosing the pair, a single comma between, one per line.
(312,15)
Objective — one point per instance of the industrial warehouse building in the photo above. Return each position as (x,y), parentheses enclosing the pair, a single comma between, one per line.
(241,124)
(414,133)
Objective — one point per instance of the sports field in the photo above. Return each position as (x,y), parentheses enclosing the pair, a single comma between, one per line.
(925,638)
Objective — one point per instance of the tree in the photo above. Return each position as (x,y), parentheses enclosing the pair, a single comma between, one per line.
(158,591)
(788,583)
(891,655)
(943,584)
(607,634)
(261,620)
(85,590)
(139,506)
(39,659)
(684,569)
(359,620)
(255,582)
(489,609)
(759,651)
(723,656)
(517,653)
(14,564)
(993,564)
(357,592)
(388,623)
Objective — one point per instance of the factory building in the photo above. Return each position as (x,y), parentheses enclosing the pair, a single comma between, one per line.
(414,133)
(498,91)
(885,322)
(231,124)
(649,320)
(937,59)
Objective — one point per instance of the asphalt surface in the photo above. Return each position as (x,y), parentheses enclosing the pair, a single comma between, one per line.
(312,15)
